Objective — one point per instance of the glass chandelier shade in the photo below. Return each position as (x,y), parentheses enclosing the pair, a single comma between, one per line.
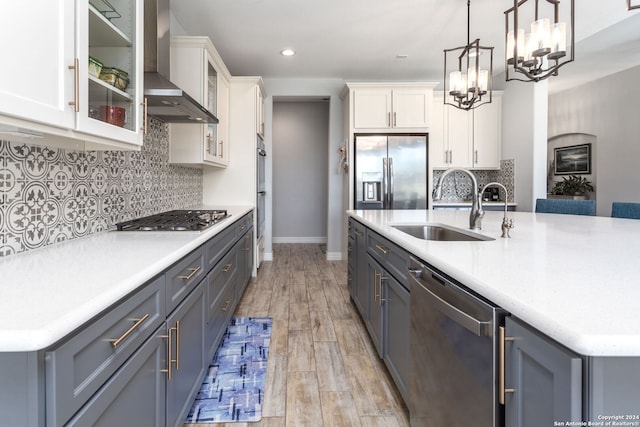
(539,53)
(468,74)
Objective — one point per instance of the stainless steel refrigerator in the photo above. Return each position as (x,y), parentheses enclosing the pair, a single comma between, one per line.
(390,172)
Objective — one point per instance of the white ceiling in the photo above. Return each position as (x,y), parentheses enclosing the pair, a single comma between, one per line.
(360,39)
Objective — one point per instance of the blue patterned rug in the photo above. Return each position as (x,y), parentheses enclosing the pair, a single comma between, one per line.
(233,388)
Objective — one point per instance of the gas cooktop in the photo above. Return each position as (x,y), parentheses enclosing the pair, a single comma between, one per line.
(177,220)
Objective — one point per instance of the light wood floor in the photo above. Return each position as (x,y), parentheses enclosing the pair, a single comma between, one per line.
(322,368)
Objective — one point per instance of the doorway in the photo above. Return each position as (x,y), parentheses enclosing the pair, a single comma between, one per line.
(300,169)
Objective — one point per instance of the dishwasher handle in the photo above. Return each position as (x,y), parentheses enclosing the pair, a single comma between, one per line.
(477,326)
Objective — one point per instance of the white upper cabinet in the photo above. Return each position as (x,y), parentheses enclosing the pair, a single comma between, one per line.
(391,107)
(197,67)
(487,134)
(37,49)
(51,88)
(467,139)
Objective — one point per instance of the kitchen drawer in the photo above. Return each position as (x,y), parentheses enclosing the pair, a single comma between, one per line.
(219,245)
(79,367)
(135,395)
(220,313)
(391,256)
(224,272)
(183,277)
(244,224)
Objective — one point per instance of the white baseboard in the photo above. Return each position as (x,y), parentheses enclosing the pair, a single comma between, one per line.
(334,256)
(299,240)
(268,256)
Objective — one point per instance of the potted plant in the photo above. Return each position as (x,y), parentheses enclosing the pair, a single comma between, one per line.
(574,185)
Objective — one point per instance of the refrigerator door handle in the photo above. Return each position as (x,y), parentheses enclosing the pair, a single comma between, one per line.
(390,195)
(385,183)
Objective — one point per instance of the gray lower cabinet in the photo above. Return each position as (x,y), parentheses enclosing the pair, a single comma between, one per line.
(245,260)
(543,379)
(185,355)
(397,334)
(76,369)
(135,395)
(379,273)
(360,288)
(221,298)
(373,319)
(389,324)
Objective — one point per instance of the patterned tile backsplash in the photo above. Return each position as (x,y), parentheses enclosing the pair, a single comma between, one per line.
(457,187)
(50,195)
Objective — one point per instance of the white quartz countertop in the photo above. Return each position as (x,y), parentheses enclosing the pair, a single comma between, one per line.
(574,278)
(47,293)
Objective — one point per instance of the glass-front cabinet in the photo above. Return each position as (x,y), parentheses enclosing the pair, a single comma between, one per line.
(110,73)
(198,69)
(212,148)
(76,72)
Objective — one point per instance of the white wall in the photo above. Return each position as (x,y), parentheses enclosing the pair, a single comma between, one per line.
(524,138)
(609,109)
(299,158)
(313,88)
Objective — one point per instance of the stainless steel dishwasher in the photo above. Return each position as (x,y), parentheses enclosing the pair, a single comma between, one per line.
(454,353)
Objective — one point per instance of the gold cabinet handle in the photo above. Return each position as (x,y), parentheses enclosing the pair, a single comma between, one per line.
(227,267)
(228,303)
(380,299)
(376,275)
(145,107)
(177,345)
(502,390)
(194,270)
(475,156)
(394,119)
(221,146)
(382,249)
(76,85)
(359,233)
(116,342)
(170,360)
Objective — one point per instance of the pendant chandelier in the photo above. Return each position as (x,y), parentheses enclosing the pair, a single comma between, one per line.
(630,6)
(468,84)
(539,54)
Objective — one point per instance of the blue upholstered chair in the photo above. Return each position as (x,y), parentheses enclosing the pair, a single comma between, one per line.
(566,206)
(625,210)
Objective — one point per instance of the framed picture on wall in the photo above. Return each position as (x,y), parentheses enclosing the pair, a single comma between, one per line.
(573,160)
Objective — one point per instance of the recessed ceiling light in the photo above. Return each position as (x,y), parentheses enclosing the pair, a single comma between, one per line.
(287,52)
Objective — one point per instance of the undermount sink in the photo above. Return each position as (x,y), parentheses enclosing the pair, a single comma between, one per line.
(440,232)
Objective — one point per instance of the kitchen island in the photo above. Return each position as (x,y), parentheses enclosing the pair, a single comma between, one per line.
(568,285)
(575,278)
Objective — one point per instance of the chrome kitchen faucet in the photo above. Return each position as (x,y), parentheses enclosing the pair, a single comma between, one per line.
(477,213)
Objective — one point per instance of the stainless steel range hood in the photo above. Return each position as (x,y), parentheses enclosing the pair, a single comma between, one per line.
(165,100)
